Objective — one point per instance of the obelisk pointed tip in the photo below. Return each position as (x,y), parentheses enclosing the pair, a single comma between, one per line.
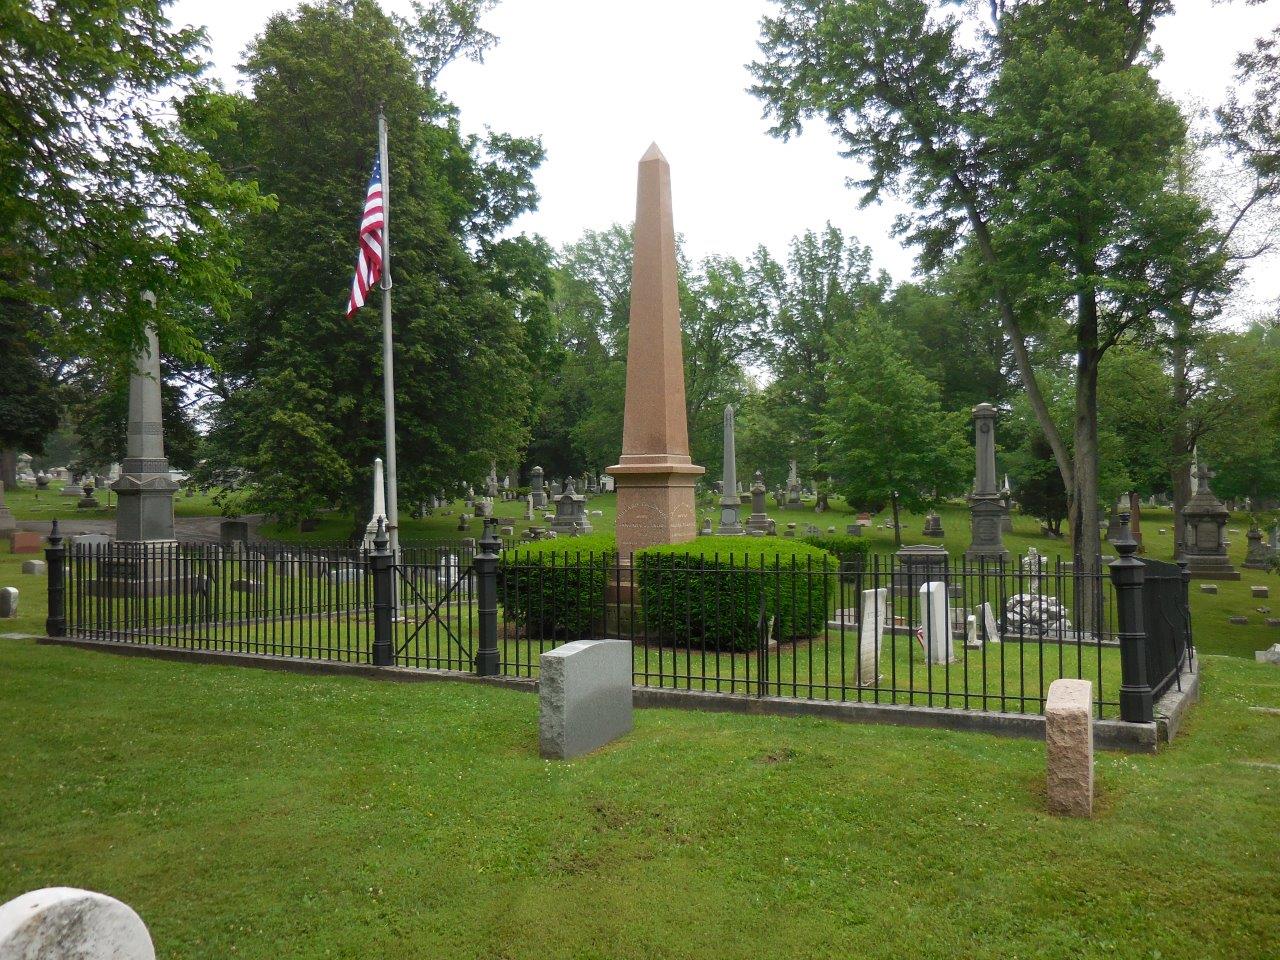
(653,153)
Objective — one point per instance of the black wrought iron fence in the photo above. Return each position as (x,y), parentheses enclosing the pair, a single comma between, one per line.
(936,632)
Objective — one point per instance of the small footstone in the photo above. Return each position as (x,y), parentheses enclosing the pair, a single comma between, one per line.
(33,566)
(62,922)
(1068,716)
(1238,621)
(1208,588)
(8,603)
(1260,592)
(1272,622)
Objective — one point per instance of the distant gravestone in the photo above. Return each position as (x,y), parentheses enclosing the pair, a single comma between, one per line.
(584,697)
(8,603)
(233,531)
(935,622)
(62,923)
(875,610)
(35,567)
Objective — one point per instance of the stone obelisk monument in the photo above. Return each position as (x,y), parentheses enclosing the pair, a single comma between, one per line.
(144,508)
(986,505)
(655,476)
(730,504)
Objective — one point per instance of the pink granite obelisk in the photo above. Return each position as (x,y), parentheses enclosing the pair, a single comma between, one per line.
(655,476)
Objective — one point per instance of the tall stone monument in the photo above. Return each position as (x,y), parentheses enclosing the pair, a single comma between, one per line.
(1205,519)
(986,505)
(759,521)
(144,510)
(655,475)
(144,491)
(537,490)
(730,502)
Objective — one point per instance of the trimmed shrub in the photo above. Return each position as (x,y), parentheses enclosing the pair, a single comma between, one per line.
(555,588)
(709,592)
(851,551)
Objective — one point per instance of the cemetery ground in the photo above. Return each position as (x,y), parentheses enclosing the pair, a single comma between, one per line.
(258,814)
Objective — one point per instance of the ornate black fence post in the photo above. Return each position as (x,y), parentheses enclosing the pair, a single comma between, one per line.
(55,625)
(1127,576)
(382,566)
(487,661)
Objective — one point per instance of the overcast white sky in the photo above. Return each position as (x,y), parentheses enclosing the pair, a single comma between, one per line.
(599,80)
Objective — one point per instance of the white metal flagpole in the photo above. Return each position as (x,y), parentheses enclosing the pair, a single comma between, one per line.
(388,371)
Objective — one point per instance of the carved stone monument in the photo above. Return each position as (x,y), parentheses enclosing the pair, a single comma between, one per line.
(571,513)
(655,475)
(144,510)
(986,505)
(7,523)
(537,490)
(730,505)
(759,520)
(793,488)
(1205,518)
(144,504)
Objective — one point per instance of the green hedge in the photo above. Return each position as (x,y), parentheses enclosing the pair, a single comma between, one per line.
(707,593)
(852,551)
(555,588)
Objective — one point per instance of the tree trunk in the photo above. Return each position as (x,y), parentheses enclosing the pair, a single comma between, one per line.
(897,527)
(1085,530)
(9,468)
(1181,444)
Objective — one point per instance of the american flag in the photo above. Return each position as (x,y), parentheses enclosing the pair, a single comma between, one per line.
(369,259)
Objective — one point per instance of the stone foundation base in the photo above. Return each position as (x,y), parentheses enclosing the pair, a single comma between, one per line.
(655,505)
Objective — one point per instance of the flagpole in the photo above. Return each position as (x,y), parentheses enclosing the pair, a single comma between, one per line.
(388,371)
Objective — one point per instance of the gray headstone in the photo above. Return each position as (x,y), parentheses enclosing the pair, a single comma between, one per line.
(62,923)
(584,697)
(33,566)
(8,603)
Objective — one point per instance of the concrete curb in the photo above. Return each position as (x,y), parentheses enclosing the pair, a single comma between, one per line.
(1107,734)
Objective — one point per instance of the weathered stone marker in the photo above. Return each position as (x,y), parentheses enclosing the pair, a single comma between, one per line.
(33,566)
(1068,737)
(875,610)
(8,603)
(62,923)
(935,627)
(584,697)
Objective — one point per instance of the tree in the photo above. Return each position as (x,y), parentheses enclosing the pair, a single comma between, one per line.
(31,401)
(825,284)
(1243,449)
(105,188)
(1039,485)
(1040,142)
(296,399)
(886,435)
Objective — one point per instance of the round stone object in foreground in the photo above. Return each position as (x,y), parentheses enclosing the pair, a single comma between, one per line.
(62,923)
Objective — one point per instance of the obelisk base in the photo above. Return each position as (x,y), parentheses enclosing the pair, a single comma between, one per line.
(655,505)
(149,569)
(986,517)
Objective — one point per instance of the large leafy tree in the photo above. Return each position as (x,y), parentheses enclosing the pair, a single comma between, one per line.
(887,438)
(825,283)
(297,396)
(105,187)
(1036,138)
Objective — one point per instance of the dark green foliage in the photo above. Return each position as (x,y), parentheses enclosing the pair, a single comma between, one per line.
(711,592)
(555,588)
(851,551)
(298,418)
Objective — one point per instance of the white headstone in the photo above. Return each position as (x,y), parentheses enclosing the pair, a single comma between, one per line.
(990,624)
(935,616)
(8,603)
(584,697)
(971,638)
(875,607)
(62,923)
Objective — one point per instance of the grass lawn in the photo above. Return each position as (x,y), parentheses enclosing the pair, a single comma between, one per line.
(263,815)
(28,503)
